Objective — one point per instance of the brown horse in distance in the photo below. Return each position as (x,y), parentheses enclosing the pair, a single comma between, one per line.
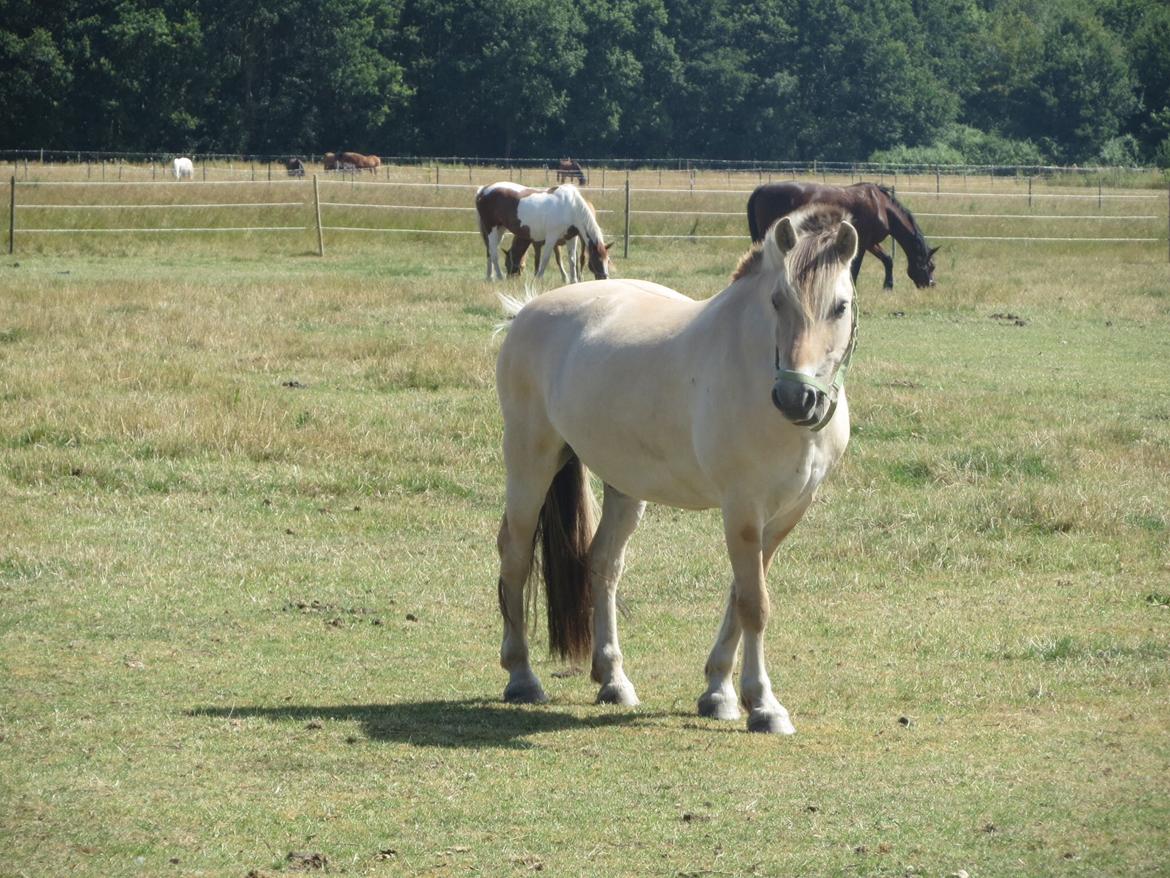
(873,210)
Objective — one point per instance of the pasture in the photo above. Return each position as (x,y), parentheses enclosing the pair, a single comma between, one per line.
(248,624)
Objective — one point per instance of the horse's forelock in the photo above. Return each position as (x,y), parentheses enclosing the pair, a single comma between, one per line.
(814,264)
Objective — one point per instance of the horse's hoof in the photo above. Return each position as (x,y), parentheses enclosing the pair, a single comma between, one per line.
(618,693)
(525,692)
(716,705)
(770,722)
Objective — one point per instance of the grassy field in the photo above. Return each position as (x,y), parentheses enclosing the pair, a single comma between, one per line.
(248,503)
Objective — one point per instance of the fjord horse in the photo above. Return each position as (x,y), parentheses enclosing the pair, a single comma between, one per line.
(736,402)
(548,216)
(873,210)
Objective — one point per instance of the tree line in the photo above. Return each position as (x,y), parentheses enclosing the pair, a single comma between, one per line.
(956,81)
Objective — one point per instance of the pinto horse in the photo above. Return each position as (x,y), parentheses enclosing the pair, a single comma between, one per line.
(873,210)
(736,402)
(549,216)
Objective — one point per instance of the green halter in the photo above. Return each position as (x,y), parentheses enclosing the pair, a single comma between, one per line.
(835,385)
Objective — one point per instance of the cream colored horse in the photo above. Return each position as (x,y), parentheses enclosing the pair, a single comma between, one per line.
(718,403)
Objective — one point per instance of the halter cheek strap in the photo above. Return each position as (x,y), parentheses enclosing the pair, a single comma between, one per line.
(835,385)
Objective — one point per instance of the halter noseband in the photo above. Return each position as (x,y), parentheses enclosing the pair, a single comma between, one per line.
(835,385)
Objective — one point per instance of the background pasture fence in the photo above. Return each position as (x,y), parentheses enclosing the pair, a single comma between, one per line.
(700,206)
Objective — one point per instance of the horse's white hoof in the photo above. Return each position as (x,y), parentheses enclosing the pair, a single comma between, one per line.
(770,722)
(622,694)
(718,705)
(525,691)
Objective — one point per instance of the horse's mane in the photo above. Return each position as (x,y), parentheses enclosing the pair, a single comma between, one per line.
(592,230)
(919,238)
(813,263)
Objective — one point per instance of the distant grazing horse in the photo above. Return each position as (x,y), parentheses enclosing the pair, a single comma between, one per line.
(570,169)
(184,169)
(736,403)
(873,210)
(329,161)
(360,162)
(550,216)
(296,167)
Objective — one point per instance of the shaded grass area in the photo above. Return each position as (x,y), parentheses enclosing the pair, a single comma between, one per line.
(247,603)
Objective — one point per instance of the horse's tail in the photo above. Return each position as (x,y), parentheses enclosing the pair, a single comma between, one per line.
(565,531)
(753,224)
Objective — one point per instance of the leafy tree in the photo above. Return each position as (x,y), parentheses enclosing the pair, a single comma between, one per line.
(490,76)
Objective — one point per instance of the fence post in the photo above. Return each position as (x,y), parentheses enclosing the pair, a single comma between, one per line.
(317,207)
(1029,193)
(12,215)
(626,246)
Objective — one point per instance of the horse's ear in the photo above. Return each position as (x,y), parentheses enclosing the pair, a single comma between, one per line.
(934,250)
(785,234)
(846,242)
(781,238)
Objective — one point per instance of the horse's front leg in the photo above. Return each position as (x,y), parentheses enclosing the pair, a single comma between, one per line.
(887,262)
(571,253)
(544,252)
(619,516)
(750,547)
(560,264)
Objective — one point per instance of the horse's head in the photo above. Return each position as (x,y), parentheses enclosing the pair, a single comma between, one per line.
(816,327)
(597,257)
(921,267)
(513,262)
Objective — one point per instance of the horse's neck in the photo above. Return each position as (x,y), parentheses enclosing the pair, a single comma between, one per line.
(902,228)
(741,319)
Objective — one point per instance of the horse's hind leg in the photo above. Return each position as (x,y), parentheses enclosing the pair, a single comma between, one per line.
(887,262)
(619,516)
(532,461)
(492,242)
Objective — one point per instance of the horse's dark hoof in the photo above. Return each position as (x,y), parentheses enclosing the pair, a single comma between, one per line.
(617,693)
(525,692)
(770,722)
(715,705)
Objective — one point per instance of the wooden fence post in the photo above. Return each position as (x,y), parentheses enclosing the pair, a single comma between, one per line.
(12,215)
(317,206)
(626,246)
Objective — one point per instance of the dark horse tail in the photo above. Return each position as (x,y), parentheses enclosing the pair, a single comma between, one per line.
(565,531)
(753,224)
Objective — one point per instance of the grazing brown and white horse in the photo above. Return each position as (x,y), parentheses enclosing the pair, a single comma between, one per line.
(736,402)
(549,216)
(873,210)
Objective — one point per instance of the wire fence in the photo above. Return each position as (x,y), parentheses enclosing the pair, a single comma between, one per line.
(645,212)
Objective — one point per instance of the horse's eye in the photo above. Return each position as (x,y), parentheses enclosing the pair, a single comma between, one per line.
(839,311)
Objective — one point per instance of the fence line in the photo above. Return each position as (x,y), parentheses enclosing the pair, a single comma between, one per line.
(296,181)
(171,229)
(159,206)
(628,212)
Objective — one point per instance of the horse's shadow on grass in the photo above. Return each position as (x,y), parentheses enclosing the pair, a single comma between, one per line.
(465,723)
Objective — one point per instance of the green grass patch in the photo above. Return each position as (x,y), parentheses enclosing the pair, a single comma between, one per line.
(248,510)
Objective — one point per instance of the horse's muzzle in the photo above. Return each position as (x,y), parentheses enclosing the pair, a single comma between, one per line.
(797,401)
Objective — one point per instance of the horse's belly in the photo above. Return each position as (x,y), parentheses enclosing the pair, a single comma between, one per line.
(643,467)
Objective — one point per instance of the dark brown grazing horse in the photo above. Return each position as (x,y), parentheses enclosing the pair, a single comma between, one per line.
(873,210)
(570,169)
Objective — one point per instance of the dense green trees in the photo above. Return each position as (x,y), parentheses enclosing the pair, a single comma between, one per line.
(961,80)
